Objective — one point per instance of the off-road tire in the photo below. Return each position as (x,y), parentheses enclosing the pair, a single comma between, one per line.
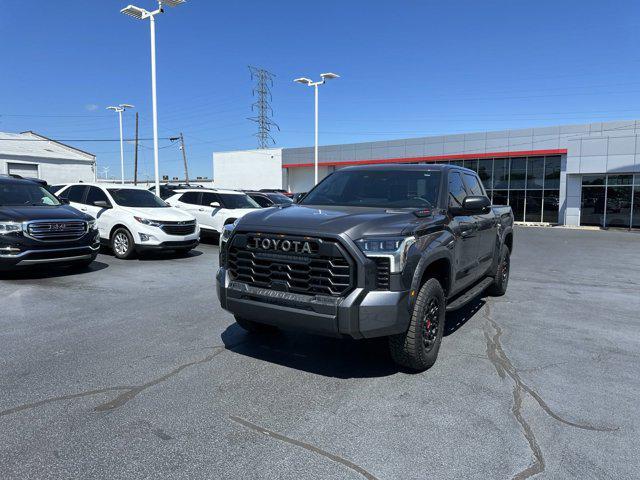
(501,280)
(417,348)
(254,327)
(117,238)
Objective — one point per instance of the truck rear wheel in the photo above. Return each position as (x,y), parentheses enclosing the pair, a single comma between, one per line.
(254,327)
(417,348)
(501,280)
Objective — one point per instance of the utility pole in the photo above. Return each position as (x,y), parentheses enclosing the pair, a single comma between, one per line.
(135,157)
(262,106)
(184,158)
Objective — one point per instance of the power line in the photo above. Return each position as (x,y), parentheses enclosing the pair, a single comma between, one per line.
(262,105)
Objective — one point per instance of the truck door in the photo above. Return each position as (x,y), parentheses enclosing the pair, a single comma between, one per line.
(464,229)
(487,226)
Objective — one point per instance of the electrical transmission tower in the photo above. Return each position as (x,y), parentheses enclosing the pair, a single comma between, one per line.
(262,106)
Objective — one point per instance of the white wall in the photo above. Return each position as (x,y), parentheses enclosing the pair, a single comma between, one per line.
(55,170)
(300,179)
(248,169)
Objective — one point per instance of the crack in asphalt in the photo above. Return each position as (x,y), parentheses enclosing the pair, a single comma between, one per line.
(129,392)
(504,367)
(307,446)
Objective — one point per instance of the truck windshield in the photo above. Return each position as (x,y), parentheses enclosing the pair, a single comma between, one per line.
(130,197)
(372,188)
(25,194)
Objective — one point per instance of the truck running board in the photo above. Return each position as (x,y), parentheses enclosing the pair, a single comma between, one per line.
(469,295)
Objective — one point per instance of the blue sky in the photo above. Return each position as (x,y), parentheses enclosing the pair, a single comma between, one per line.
(408,68)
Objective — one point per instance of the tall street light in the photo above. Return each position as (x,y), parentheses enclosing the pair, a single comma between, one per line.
(121,108)
(311,83)
(141,14)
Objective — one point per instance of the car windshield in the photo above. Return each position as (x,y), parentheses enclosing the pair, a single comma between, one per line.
(372,188)
(234,200)
(27,194)
(279,198)
(130,197)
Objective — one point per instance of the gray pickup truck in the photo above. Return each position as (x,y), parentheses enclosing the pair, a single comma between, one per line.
(370,251)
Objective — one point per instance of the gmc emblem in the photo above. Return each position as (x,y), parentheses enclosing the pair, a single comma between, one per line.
(294,246)
(58,226)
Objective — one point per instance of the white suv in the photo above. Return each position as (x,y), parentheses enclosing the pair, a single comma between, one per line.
(132,219)
(213,208)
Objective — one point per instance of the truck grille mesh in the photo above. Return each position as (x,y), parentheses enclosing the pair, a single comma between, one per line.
(313,275)
(383,272)
(57,231)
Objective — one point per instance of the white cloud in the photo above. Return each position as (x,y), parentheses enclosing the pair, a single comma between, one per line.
(91,107)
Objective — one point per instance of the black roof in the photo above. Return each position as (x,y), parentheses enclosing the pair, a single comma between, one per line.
(405,166)
(12,179)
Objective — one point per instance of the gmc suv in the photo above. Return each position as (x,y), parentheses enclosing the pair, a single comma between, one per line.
(370,251)
(36,228)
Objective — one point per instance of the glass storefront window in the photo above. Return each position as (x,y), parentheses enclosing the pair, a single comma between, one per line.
(501,173)
(592,206)
(619,206)
(620,180)
(518,173)
(635,221)
(551,206)
(501,197)
(534,206)
(471,164)
(535,173)
(457,163)
(485,172)
(516,200)
(594,179)
(552,167)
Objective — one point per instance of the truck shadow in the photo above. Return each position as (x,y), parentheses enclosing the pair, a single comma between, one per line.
(330,357)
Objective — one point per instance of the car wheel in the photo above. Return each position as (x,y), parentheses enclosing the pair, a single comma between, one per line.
(254,327)
(122,243)
(501,280)
(417,348)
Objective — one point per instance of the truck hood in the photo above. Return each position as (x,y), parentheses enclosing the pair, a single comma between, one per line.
(53,212)
(355,222)
(168,214)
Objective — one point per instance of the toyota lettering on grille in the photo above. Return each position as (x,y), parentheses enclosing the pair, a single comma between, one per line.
(292,246)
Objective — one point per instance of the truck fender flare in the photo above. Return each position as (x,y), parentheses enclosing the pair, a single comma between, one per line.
(428,258)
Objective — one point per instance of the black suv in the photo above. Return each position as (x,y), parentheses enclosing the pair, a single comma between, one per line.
(36,228)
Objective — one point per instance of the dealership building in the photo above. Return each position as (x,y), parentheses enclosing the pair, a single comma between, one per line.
(570,174)
(29,154)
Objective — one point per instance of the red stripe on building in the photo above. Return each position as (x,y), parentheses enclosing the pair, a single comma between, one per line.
(434,158)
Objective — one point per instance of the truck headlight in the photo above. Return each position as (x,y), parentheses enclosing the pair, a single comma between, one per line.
(393,248)
(146,221)
(227,230)
(10,227)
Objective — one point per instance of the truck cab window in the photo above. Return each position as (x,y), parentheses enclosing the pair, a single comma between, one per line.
(473,184)
(457,193)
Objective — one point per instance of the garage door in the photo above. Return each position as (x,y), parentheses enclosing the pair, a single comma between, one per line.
(23,169)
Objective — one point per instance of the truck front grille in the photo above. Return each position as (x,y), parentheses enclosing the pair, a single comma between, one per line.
(327,271)
(383,272)
(179,228)
(57,231)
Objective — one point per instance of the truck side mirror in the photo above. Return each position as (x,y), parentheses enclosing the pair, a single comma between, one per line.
(476,203)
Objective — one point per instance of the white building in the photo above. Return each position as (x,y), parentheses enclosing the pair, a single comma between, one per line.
(31,155)
(248,169)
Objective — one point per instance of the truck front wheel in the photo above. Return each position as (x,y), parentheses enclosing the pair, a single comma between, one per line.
(417,348)
(501,280)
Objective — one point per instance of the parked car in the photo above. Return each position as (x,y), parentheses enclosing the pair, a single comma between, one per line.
(286,193)
(169,189)
(131,219)
(36,228)
(370,251)
(268,199)
(213,208)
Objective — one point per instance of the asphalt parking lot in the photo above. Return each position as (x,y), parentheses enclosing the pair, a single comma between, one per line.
(131,370)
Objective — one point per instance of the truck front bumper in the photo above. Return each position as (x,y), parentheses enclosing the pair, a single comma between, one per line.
(361,314)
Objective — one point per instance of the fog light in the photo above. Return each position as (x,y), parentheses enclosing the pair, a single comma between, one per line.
(144,237)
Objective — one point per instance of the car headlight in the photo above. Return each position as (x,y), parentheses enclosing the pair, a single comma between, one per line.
(10,227)
(393,248)
(146,221)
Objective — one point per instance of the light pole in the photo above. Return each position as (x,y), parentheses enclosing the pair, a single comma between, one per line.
(141,14)
(121,108)
(311,83)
